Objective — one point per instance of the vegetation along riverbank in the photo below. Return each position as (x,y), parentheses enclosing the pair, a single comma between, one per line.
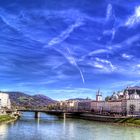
(129,121)
(6,118)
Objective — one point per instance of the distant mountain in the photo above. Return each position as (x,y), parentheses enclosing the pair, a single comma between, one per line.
(20,99)
(79,99)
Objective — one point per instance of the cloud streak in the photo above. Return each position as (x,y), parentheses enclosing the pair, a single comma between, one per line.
(108,11)
(134,19)
(49,47)
(66,33)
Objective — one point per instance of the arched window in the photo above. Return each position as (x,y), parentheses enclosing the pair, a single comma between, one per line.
(132,109)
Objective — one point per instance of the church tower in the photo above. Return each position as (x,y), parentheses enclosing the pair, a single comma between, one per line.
(98,96)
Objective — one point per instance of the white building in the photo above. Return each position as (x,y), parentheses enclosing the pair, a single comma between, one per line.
(134,96)
(4,101)
(98,96)
(106,106)
(133,107)
(70,105)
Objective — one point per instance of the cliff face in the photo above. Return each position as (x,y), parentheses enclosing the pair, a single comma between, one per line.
(20,99)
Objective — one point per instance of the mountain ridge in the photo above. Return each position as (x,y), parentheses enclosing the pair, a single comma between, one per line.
(21,99)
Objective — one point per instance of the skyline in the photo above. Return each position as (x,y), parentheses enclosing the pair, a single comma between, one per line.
(69,49)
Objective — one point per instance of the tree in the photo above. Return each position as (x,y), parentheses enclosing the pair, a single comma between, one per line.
(107,98)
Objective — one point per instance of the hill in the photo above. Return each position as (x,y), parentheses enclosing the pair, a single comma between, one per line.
(21,100)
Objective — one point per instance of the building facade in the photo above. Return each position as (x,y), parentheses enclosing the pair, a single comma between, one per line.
(133,107)
(126,103)
(4,101)
(84,105)
(129,101)
(69,105)
(104,107)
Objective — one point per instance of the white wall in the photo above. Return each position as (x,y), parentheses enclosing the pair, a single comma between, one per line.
(136,104)
(5,101)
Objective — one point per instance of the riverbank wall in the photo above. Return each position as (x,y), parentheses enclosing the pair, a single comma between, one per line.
(93,117)
(131,121)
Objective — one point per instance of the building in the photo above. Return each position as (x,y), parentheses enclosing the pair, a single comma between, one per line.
(104,107)
(72,105)
(134,96)
(97,105)
(131,107)
(69,105)
(126,103)
(132,90)
(129,100)
(4,101)
(113,107)
(98,96)
(75,105)
(0,104)
(84,105)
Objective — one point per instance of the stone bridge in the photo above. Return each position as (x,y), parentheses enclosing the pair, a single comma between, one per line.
(52,112)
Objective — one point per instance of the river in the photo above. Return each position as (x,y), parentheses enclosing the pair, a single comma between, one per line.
(50,127)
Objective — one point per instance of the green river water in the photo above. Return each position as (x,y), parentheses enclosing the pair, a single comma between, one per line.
(52,128)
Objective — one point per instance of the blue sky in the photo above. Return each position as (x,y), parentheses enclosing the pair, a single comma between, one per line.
(67,49)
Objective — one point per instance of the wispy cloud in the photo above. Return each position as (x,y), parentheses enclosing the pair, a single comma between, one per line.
(94,53)
(108,11)
(66,52)
(134,19)
(64,94)
(107,63)
(37,83)
(96,65)
(138,65)
(66,33)
(126,56)
(52,46)
(126,43)
(124,84)
(102,65)
(99,51)
(111,32)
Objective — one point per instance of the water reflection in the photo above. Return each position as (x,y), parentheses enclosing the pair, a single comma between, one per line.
(38,123)
(3,131)
(49,127)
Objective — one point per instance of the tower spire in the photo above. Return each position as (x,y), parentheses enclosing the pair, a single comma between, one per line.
(98,92)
